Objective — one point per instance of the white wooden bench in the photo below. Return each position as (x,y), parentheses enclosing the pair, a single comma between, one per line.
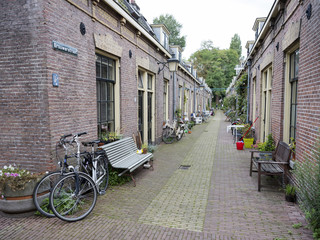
(122,154)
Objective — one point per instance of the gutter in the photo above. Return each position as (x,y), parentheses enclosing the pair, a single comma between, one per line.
(123,13)
(119,9)
(265,25)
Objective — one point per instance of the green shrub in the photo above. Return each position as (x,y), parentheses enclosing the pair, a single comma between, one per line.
(307,174)
(115,180)
(290,190)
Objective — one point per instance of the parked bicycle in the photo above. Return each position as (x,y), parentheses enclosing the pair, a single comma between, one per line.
(174,131)
(42,190)
(73,196)
(96,165)
(205,116)
(90,175)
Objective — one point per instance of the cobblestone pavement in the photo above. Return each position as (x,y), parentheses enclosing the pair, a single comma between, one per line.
(214,198)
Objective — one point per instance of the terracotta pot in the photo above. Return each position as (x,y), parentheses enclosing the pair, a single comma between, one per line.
(144,151)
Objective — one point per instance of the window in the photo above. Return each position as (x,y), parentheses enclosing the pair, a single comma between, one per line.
(149,82)
(180,96)
(266,104)
(165,40)
(165,100)
(186,101)
(192,102)
(146,109)
(105,79)
(254,104)
(140,80)
(293,79)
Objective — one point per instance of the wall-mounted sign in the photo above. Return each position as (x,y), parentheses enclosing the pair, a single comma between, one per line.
(55,80)
(64,48)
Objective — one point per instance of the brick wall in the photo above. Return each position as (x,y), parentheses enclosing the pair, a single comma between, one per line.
(33,112)
(308,111)
(24,103)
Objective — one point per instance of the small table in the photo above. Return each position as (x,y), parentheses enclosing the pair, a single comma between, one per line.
(234,126)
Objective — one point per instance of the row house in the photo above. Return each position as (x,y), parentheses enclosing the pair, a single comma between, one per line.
(70,66)
(283,66)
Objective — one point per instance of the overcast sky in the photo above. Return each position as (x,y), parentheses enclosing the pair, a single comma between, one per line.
(215,20)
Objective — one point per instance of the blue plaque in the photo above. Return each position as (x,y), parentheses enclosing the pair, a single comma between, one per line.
(55,80)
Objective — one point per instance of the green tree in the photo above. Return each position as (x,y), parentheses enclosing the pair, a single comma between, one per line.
(236,44)
(174,28)
(215,65)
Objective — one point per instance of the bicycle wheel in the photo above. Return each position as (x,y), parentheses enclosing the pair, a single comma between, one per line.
(42,191)
(73,197)
(166,135)
(180,134)
(102,174)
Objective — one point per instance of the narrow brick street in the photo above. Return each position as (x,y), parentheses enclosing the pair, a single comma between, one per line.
(214,198)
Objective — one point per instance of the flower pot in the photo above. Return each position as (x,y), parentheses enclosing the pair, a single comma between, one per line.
(248,142)
(189,132)
(19,201)
(144,151)
(290,198)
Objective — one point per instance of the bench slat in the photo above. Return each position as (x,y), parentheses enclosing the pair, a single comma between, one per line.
(123,154)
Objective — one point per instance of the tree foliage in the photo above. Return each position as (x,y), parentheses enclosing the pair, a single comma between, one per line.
(215,65)
(174,28)
(236,44)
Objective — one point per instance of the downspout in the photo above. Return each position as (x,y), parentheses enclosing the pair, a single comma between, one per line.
(174,94)
(194,97)
(248,90)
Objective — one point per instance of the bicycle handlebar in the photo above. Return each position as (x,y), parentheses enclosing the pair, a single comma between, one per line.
(66,135)
(80,134)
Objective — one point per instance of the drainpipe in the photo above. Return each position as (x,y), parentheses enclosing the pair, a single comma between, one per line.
(248,89)
(174,94)
(194,97)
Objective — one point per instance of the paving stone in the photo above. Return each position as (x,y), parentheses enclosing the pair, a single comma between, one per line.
(213,199)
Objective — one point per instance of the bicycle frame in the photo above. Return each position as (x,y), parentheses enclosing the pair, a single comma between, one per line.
(175,128)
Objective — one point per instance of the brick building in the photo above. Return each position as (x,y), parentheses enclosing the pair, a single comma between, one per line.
(283,63)
(68,66)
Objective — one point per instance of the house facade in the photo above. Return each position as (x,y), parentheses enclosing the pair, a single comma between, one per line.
(283,65)
(70,66)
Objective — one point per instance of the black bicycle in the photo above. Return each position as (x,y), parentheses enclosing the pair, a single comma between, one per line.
(42,190)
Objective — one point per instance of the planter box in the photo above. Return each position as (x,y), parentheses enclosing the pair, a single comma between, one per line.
(248,142)
(265,156)
(19,201)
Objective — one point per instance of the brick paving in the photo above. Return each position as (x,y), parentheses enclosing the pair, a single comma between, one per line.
(215,198)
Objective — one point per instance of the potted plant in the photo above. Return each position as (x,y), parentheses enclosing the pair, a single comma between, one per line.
(151,148)
(292,146)
(190,124)
(267,148)
(109,137)
(248,138)
(16,188)
(144,148)
(290,191)
(178,113)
